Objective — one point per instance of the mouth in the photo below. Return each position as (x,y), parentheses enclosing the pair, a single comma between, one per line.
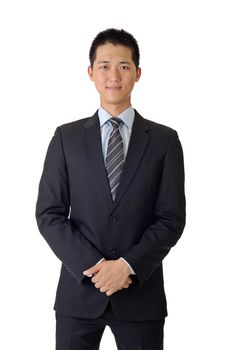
(114,87)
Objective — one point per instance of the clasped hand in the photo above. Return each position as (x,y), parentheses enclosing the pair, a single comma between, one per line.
(109,276)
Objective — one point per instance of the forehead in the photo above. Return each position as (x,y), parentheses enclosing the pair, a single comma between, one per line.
(110,52)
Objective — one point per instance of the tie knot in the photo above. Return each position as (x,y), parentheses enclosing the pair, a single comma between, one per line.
(115,122)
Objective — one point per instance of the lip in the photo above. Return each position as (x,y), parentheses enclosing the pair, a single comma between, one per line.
(113,87)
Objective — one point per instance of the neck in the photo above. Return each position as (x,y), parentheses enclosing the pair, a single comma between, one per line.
(115,110)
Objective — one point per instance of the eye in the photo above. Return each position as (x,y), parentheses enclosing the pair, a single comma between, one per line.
(124,67)
(104,66)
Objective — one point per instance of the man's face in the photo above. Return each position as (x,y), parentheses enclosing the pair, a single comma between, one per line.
(114,74)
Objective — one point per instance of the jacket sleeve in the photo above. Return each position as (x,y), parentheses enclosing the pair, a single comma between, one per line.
(159,237)
(75,251)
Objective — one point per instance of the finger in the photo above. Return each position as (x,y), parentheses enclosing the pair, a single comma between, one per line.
(129,280)
(96,277)
(109,292)
(92,270)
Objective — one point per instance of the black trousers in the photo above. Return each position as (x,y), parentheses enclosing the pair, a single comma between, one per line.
(85,334)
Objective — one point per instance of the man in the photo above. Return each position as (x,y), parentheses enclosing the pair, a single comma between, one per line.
(111,204)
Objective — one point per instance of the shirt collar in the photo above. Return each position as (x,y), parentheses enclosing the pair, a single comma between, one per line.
(126,116)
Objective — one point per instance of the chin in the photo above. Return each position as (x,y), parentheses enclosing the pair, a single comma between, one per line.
(114,102)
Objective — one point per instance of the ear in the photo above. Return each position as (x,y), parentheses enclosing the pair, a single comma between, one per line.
(90,72)
(138,73)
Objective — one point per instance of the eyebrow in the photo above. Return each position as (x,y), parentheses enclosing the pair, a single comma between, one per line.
(121,62)
(102,62)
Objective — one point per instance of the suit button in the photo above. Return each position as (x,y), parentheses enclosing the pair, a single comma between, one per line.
(112,250)
(112,219)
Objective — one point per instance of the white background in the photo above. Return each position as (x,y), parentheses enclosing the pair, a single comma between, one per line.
(187,82)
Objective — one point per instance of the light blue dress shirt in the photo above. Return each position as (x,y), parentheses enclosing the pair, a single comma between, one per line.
(125,129)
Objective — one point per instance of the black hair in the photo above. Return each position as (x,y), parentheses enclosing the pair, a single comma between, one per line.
(115,37)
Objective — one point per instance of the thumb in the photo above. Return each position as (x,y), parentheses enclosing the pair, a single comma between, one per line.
(92,270)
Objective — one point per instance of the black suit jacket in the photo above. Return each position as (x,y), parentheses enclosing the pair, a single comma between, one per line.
(77,217)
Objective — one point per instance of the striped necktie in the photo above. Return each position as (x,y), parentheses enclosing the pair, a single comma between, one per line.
(114,157)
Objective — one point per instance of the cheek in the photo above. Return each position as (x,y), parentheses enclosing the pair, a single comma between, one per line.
(99,78)
(130,83)
(100,82)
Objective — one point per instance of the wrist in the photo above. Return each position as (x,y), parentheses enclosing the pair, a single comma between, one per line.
(126,269)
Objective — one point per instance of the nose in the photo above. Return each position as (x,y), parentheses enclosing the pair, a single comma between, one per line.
(114,75)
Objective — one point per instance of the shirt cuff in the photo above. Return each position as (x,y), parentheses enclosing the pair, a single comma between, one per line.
(96,264)
(132,271)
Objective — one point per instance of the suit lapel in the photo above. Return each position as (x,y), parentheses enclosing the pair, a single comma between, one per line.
(137,145)
(96,160)
(136,149)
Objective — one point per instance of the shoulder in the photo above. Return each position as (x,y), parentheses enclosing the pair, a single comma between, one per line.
(157,129)
(154,126)
(77,127)
(74,125)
